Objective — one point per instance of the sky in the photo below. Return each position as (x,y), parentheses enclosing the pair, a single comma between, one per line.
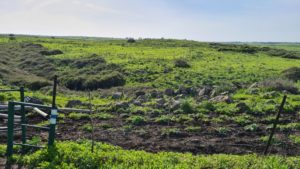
(201,20)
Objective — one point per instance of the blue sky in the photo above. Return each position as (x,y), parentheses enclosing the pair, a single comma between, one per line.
(202,20)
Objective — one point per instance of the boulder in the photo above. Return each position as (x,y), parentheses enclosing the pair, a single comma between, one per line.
(137,103)
(243,107)
(74,103)
(119,105)
(254,85)
(222,98)
(169,92)
(270,95)
(33,100)
(140,93)
(117,95)
(175,105)
(154,93)
(204,91)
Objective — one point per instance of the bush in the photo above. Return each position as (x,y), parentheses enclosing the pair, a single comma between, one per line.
(131,40)
(181,63)
(37,85)
(136,120)
(95,82)
(280,85)
(78,116)
(292,73)
(187,107)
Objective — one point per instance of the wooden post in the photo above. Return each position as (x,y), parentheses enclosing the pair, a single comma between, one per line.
(275,124)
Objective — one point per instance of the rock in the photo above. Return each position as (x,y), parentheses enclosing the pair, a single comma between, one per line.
(154,114)
(33,100)
(181,96)
(74,103)
(204,92)
(182,90)
(188,82)
(160,101)
(153,93)
(122,105)
(253,91)
(271,95)
(191,91)
(169,92)
(117,95)
(124,115)
(142,98)
(271,102)
(137,103)
(140,93)
(243,107)
(222,98)
(175,105)
(254,85)
(213,93)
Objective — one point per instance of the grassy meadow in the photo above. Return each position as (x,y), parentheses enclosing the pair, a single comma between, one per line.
(160,95)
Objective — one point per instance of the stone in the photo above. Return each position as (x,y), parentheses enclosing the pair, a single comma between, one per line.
(271,102)
(137,103)
(169,92)
(182,90)
(243,107)
(153,93)
(33,100)
(253,91)
(140,93)
(124,115)
(175,105)
(121,105)
(271,95)
(222,98)
(117,95)
(254,85)
(74,103)
(204,92)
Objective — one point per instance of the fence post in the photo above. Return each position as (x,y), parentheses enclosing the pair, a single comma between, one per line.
(10,129)
(53,115)
(275,124)
(23,118)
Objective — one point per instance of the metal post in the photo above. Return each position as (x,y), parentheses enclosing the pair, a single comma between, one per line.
(23,119)
(275,124)
(53,115)
(10,129)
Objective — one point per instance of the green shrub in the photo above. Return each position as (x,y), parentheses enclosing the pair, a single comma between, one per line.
(78,155)
(223,131)
(136,120)
(78,116)
(181,63)
(164,119)
(251,127)
(280,85)
(193,129)
(87,127)
(103,116)
(2,150)
(188,107)
(292,73)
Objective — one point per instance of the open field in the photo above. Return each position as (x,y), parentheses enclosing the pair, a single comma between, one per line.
(161,95)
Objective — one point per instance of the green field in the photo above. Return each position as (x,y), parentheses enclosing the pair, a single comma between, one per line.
(160,95)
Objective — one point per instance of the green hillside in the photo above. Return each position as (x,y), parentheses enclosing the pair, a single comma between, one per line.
(161,95)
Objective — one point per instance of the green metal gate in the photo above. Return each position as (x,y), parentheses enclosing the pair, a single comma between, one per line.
(24,125)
